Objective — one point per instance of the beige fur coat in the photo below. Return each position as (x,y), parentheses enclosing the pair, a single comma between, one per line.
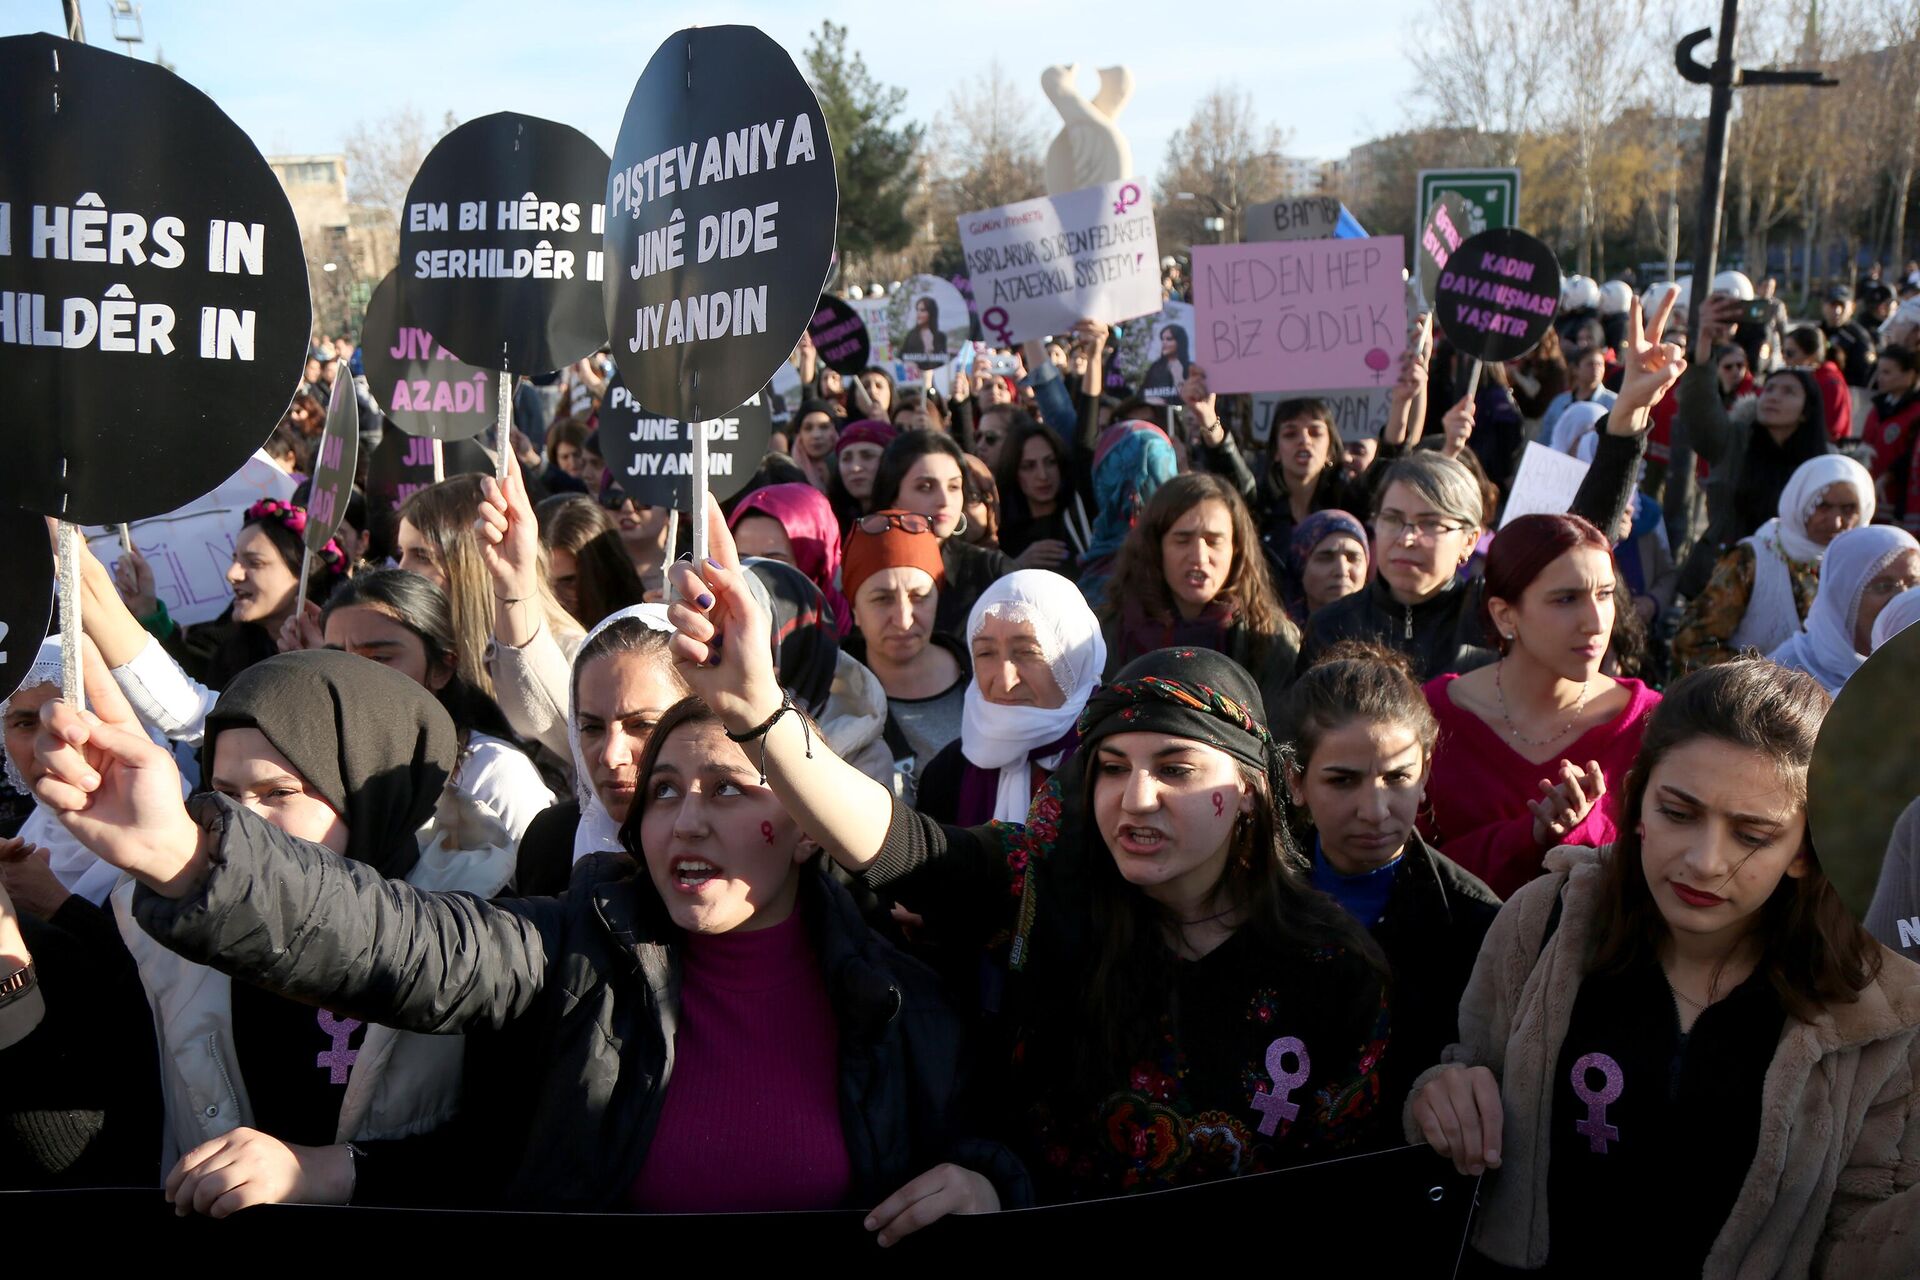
(1832,1190)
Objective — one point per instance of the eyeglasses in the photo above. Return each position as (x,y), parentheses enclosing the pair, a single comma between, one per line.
(905,521)
(1391,526)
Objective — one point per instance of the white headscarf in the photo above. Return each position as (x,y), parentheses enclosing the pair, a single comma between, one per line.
(1824,649)
(598,832)
(1901,612)
(1575,421)
(72,863)
(1802,494)
(1004,738)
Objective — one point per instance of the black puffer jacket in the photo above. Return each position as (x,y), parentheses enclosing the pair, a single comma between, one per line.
(1444,634)
(593,979)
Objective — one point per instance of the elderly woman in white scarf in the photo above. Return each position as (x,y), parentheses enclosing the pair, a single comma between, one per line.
(43,864)
(1864,570)
(1764,585)
(1037,656)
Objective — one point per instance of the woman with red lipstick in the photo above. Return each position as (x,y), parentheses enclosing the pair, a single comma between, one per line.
(1683,1056)
(1181,1005)
(1530,743)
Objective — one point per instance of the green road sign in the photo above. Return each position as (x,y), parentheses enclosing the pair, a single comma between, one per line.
(1492,196)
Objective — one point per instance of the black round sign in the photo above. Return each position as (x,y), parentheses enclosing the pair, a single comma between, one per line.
(153,292)
(420,385)
(721,205)
(651,457)
(26,594)
(401,465)
(1497,294)
(333,468)
(500,254)
(839,336)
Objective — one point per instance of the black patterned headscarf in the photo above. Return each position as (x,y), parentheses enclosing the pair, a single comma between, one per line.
(1185,693)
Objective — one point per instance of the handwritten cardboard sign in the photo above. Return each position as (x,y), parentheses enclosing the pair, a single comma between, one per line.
(1545,483)
(1039,265)
(1358,413)
(1497,294)
(1299,218)
(1300,314)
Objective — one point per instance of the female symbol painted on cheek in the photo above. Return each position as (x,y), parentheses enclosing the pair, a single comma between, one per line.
(766,832)
(1219,804)
(1595,1127)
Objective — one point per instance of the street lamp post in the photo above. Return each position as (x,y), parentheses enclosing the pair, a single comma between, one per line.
(1223,213)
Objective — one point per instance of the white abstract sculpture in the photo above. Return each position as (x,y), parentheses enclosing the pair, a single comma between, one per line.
(1090,149)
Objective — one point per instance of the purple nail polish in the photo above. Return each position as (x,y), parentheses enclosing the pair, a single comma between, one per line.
(714,564)
(705,601)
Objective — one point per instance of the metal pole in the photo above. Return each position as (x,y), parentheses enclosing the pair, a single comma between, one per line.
(1713,189)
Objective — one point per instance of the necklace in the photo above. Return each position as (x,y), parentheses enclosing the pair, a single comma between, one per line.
(1501,693)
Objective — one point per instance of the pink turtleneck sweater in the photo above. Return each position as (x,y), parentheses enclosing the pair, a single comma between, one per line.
(751,1120)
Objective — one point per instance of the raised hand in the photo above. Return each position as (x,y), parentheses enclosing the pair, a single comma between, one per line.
(1458,425)
(1649,368)
(133,579)
(962,385)
(117,790)
(722,641)
(1565,800)
(509,539)
(301,630)
(27,878)
(1044,553)
(1199,400)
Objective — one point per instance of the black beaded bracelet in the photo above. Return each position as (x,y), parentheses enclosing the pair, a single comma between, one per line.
(760,731)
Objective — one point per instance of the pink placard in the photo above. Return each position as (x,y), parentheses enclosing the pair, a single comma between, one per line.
(1300,314)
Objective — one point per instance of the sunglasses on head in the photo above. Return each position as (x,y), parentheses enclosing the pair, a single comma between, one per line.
(905,521)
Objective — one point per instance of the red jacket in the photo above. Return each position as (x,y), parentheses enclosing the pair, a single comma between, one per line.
(1835,399)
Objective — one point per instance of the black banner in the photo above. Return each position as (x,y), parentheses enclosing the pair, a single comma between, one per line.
(401,465)
(1401,1213)
(721,205)
(153,292)
(422,386)
(651,457)
(500,254)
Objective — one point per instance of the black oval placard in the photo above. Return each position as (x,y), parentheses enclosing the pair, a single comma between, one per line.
(721,205)
(1444,231)
(422,387)
(1497,294)
(333,467)
(401,465)
(153,292)
(651,457)
(26,594)
(840,336)
(500,253)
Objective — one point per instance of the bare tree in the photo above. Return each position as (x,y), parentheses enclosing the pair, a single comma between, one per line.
(1227,157)
(1478,70)
(383,156)
(989,143)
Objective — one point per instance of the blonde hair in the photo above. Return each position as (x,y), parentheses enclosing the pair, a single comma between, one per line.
(444,514)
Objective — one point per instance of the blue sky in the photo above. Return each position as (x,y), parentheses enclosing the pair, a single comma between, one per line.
(297,77)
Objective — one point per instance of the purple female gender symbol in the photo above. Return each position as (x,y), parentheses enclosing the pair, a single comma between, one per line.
(1595,1127)
(1274,1106)
(997,320)
(339,1059)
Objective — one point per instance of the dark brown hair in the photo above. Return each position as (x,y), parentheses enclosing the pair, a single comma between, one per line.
(1357,680)
(689,710)
(1522,551)
(1137,571)
(1813,952)
(604,577)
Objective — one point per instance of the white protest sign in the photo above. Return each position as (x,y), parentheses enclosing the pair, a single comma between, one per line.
(1545,484)
(1040,265)
(1298,218)
(190,549)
